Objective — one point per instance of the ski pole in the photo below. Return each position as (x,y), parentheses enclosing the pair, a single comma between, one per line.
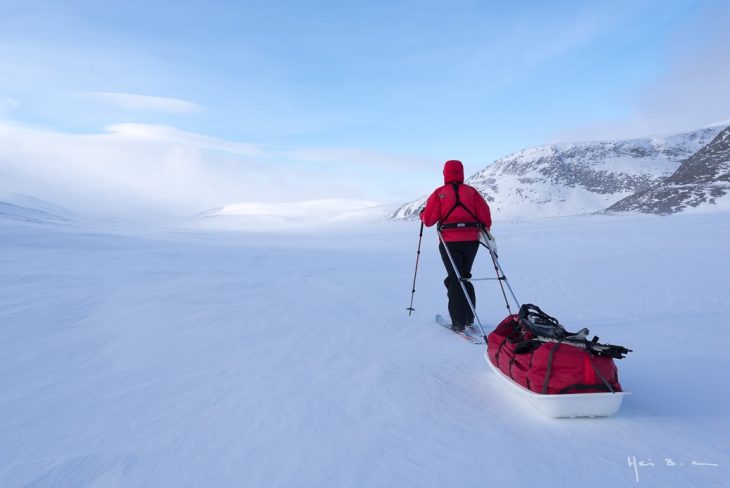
(500,272)
(418,255)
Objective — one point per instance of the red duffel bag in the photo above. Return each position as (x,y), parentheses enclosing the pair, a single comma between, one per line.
(536,351)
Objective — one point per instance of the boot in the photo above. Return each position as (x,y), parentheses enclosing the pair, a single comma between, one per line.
(458,327)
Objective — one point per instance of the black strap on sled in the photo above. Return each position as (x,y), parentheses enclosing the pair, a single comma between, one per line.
(527,346)
(459,225)
(607,350)
(581,388)
(545,328)
(514,337)
(598,373)
(604,385)
(549,368)
(540,323)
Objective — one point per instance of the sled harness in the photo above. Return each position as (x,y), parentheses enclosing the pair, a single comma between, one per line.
(459,225)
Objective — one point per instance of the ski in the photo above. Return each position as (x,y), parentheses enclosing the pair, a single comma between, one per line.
(468,334)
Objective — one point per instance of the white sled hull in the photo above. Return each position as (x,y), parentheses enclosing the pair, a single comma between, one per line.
(569,405)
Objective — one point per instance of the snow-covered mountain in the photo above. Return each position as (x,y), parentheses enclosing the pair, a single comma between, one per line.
(701,180)
(577,178)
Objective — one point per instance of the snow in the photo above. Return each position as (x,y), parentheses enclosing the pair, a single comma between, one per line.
(638,166)
(26,208)
(33,203)
(520,201)
(258,216)
(206,358)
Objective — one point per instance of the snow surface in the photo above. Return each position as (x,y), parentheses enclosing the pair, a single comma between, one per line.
(268,217)
(246,360)
(30,209)
(33,203)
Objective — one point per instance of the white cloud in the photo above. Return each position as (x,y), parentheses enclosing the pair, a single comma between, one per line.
(165,134)
(716,123)
(132,171)
(364,157)
(145,103)
(150,172)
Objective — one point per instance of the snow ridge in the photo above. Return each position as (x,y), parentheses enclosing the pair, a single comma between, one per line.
(25,208)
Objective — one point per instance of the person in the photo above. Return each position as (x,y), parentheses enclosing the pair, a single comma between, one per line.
(461,213)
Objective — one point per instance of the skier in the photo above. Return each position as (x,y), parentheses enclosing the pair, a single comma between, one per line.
(461,213)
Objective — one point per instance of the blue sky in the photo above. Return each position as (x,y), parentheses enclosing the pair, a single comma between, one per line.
(349,99)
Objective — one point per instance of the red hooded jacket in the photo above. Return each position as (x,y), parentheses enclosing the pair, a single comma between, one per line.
(443,199)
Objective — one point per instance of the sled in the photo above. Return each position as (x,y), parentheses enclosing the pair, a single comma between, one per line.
(571,405)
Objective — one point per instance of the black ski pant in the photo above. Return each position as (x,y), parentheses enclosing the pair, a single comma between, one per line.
(463,253)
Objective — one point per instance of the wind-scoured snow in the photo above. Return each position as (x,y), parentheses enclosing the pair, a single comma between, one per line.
(19,207)
(248,360)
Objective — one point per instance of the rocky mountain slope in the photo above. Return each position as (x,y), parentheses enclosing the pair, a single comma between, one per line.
(702,179)
(570,179)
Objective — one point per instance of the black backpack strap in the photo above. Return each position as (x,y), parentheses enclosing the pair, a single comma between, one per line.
(530,310)
(458,203)
(527,346)
(545,328)
(539,323)
(461,225)
(546,383)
